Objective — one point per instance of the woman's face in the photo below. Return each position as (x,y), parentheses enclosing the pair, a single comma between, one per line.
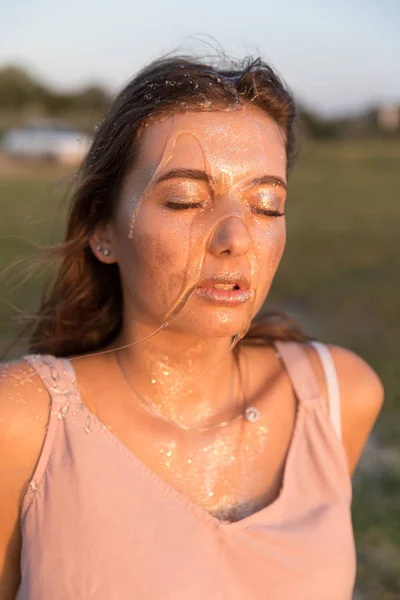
(197,233)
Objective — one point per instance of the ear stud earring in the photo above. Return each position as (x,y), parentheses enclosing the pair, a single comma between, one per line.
(104,251)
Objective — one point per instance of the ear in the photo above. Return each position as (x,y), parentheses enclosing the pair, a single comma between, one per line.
(101,244)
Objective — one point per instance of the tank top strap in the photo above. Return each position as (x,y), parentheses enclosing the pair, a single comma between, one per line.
(59,380)
(300,371)
(332,385)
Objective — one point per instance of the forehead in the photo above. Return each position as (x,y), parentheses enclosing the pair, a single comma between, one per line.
(235,142)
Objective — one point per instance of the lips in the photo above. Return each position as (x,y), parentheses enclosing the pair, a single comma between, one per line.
(229,289)
(237,280)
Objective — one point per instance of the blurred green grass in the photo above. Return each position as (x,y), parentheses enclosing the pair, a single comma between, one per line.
(339,276)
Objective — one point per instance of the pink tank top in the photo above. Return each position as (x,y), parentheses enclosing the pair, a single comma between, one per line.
(98,524)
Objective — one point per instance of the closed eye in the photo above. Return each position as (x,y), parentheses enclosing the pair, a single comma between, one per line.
(182,205)
(268,213)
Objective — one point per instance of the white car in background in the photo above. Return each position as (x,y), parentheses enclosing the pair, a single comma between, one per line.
(47,140)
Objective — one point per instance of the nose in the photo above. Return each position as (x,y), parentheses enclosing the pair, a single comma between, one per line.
(231,238)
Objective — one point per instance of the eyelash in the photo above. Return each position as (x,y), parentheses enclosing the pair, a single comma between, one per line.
(182,206)
(268,213)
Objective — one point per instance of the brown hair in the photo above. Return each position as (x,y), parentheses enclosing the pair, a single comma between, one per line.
(82,311)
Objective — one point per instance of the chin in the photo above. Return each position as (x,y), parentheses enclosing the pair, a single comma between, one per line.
(218,323)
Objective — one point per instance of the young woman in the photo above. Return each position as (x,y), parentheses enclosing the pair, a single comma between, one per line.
(160,441)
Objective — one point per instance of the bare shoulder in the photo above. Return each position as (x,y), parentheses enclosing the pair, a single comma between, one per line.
(361,394)
(24,403)
(24,412)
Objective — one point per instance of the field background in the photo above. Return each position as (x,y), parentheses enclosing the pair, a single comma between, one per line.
(339,277)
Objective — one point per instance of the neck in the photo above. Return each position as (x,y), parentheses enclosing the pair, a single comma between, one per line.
(188,379)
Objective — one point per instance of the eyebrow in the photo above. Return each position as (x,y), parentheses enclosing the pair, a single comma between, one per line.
(199,175)
(195,174)
(269,180)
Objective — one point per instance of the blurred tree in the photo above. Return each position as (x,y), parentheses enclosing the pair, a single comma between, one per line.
(18,89)
(318,127)
(93,97)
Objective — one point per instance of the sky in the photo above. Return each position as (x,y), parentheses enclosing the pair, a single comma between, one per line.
(338,56)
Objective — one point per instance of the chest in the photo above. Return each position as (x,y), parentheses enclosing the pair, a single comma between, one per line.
(232,472)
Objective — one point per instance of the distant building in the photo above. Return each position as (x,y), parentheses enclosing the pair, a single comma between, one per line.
(48,140)
(389,118)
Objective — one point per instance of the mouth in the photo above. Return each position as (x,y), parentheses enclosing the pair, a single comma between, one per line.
(228,290)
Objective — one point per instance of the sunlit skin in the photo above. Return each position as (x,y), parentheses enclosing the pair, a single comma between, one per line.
(228,169)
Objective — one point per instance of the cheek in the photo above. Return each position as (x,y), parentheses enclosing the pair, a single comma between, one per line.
(153,260)
(155,257)
(270,244)
(160,267)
